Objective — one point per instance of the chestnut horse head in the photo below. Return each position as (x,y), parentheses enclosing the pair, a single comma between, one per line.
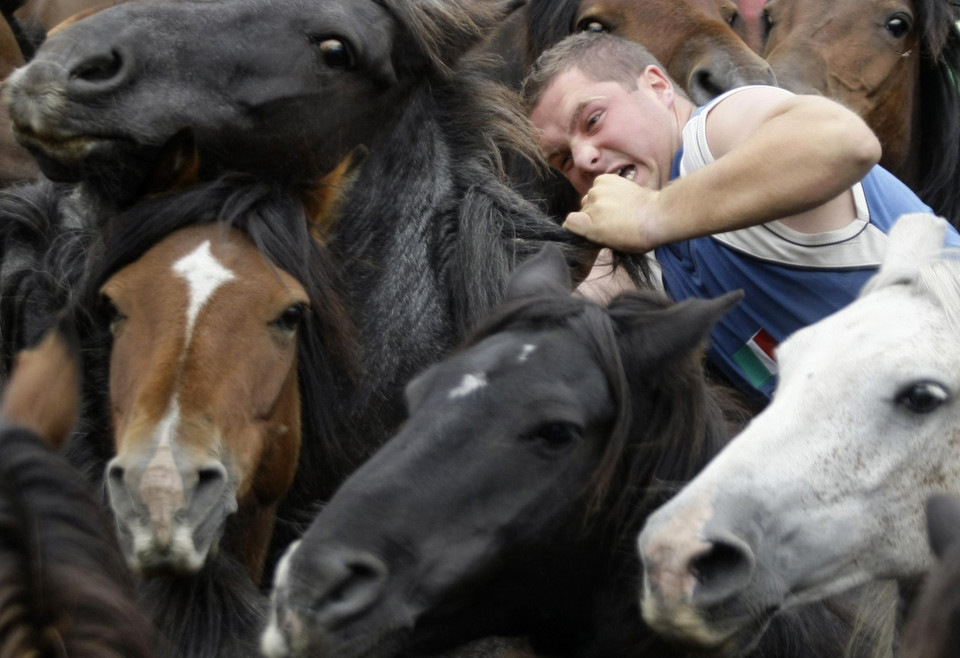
(208,332)
(693,39)
(894,62)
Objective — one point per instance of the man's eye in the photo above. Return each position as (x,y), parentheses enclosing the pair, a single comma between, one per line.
(565,162)
(593,119)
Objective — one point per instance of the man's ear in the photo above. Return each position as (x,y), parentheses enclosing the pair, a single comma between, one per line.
(655,77)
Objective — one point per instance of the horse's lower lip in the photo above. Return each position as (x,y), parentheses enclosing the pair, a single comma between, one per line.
(71,147)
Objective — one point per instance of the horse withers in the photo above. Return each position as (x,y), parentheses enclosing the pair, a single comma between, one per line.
(825,489)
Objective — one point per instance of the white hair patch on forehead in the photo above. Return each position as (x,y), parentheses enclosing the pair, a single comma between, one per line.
(525,352)
(203,274)
(468,385)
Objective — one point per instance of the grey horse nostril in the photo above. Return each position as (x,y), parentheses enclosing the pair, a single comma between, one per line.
(722,570)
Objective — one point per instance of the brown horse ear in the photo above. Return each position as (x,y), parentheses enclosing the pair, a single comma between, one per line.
(43,392)
(546,272)
(656,336)
(177,167)
(324,199)
(943,522)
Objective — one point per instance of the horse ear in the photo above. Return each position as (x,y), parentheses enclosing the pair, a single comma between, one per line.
(43,392)
(546,272)
(665,334)
(177,167)
(943,522)
(915,239)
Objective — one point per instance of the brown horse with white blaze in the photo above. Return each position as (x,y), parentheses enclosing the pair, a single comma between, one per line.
(205,401)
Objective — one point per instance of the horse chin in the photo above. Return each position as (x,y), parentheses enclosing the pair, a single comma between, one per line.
(179,554)
(705,630)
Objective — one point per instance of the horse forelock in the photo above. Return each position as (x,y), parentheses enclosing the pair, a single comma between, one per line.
(939,279)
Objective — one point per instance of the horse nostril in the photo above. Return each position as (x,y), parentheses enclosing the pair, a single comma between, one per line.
(211,483)
(705,86)
(98,68)
(354,582)
(722,570)
(115,473)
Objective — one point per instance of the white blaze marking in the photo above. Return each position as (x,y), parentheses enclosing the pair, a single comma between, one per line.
(527,350)
(204,274)
(468,385)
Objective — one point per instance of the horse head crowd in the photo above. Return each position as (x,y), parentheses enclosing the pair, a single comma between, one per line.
(294,361)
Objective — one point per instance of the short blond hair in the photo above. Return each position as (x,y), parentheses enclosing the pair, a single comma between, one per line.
(598,55)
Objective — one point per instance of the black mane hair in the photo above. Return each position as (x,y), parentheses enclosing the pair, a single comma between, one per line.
(64,586)
(938,115)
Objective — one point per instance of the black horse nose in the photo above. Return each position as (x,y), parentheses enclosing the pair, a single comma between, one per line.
(100,72)
(345,585)
(725,568)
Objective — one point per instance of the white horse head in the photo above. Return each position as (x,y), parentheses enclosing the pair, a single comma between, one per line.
(825,489)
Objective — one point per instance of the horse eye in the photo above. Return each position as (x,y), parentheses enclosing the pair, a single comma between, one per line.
(291,318)
(556,435)
(729,13)
(336,54)
(110,315)
(591,25)
(922,398)
(898,25)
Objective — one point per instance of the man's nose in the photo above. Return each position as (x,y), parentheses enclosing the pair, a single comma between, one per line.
(586,158)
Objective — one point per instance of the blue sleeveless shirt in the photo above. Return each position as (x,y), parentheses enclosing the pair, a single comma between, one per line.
(789,279)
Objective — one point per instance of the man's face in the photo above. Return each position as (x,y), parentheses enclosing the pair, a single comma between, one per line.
(588,128)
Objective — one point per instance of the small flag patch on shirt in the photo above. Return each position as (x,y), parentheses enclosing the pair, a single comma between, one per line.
(756,358)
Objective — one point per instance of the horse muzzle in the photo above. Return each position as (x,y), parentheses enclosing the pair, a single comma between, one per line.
(170,520)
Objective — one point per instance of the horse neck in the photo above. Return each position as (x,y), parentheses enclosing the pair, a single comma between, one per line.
(423,235)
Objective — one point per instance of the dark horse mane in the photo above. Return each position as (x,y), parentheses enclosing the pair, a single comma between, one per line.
(671,421)
(65,589)
(939,131)
(429,229)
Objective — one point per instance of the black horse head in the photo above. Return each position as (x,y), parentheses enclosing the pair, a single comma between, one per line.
(508,503)
(284,90)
